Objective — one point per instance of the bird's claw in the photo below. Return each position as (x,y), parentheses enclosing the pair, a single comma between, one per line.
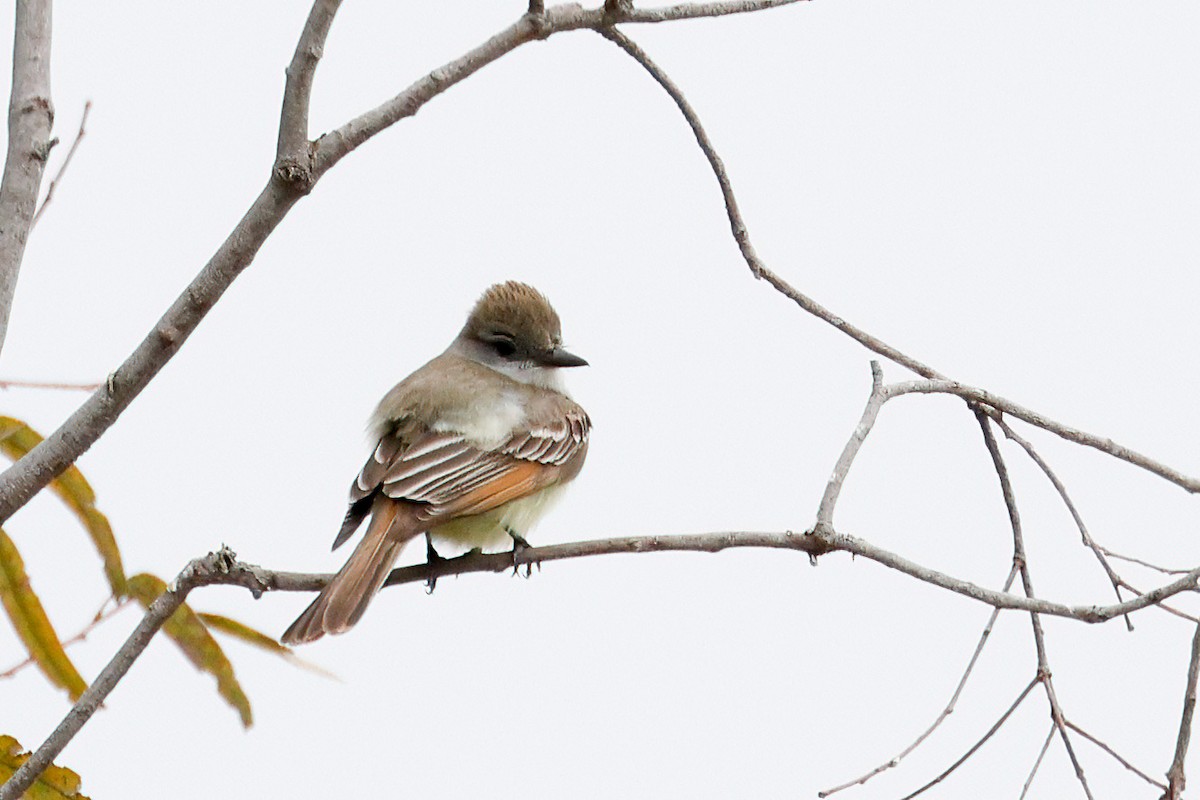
(519,548)
(432,559)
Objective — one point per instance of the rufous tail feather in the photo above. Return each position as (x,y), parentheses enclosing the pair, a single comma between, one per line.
(344,599)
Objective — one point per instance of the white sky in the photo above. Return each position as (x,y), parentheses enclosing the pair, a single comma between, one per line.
(1006,191)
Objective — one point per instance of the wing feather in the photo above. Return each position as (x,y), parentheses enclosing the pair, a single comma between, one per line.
(450,477)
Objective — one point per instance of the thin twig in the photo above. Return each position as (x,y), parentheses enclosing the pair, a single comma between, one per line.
(70,387)
(741,234)
(103,614)
(1140,562)
(1162,606)
(1088,542)
(1021,561)
(946,712)
(1116,756)
(197,573)
(1038,762)
(1176,779)
(62,168)
(1045,423)
(991,731)
(842,468)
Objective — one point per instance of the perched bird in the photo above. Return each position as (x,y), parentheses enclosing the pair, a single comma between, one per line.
(471,448)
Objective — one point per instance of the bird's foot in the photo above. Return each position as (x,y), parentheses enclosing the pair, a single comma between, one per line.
(432,559)
(518,553)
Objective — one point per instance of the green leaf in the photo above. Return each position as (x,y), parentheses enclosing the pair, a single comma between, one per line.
(31,623)
(53,784)
(188,631)
(17,439)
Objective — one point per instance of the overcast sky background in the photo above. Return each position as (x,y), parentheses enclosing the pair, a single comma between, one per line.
(1009,192)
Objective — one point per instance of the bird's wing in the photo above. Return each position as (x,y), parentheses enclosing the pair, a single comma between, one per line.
(450,477)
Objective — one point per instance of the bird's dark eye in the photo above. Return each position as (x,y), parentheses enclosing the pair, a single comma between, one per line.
(502,343)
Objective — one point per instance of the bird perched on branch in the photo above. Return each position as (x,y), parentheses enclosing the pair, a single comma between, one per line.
(471,448)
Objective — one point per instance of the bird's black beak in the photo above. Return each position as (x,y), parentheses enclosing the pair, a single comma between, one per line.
(561,358)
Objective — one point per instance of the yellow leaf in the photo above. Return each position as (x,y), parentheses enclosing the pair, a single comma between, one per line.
(244,632)
(254,638)
(31,623)
(53,784)
(17,439)
(187,630)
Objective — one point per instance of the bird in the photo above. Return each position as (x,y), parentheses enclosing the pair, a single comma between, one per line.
(472,449)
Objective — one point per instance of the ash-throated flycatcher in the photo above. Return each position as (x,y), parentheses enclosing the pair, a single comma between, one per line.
(471,448)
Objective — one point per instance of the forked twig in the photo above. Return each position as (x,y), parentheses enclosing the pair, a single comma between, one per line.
(991,732)
(62,168)
(103,614)
(1141,563)
(947,711)
(1020,560)
(1088,542)
(1116,756)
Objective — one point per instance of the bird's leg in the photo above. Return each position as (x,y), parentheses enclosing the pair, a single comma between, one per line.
(432,557)
(519,547)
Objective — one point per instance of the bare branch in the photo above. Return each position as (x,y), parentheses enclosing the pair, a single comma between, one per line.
(860,547)
(1038,762)
(946,712)
(62,168)
(1045,423)
(840,470)
(1116,756)
(30,118)
(292,150)
(1020,561)
(74,387)
(264,580)
(975,747)
(1139,562)
(1163,606)
(103,614)
(1113,578)
(1175,775)
(24,479)
(197,573)
(737,225)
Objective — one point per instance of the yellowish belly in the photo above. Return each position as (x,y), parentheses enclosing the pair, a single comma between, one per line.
(489,530)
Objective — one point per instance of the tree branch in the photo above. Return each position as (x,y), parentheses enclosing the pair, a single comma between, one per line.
(1075,435)
(62,168)
(222,568)
(842,468)
(1088,542)
(1176,780)
(1020,561)
(197,573)
(30,118)
(260,579)
(975,747)
(1038,761)
(946,712)
(293,159)
(287,185)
